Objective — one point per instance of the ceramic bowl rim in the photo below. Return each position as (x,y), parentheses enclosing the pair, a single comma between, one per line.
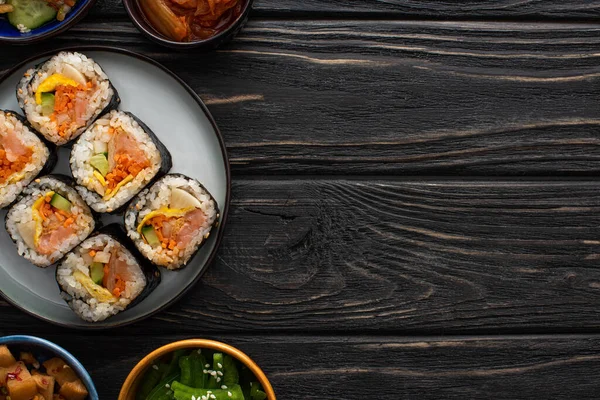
(145,363)
(78,16)
(61,353)
(140,24)
(224,209)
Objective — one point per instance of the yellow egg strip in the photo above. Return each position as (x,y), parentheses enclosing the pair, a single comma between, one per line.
(16,177)
(95,290)
(167,212)
(37,217)
(51,83)
(110,193)
(99,176)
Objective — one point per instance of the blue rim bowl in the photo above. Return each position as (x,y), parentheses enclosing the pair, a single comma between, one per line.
(10,34)
(32,341)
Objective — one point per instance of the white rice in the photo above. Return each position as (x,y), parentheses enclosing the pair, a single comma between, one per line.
(99,97)
(79,299)
(158,196)
(21,213)
(83,172)
(9,191)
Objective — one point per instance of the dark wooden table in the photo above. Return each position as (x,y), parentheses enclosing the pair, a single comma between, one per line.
(416,203)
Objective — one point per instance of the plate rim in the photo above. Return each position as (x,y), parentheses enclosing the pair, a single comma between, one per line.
(224,210)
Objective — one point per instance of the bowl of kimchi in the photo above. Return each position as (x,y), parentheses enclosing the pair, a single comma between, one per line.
(186,24)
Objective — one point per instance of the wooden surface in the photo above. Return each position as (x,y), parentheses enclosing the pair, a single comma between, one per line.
(414,9)
(415,208)
(392,97)
(495,9)
(392,367)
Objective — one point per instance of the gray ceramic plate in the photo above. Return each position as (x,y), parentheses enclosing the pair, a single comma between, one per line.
(181,121)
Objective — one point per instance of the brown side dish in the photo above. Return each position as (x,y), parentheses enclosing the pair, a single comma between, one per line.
(27,379)
(191,20)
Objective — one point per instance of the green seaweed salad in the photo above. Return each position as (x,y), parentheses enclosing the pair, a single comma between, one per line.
(199,374)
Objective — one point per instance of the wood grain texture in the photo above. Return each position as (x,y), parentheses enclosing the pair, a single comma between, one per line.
(433,8)
(317,276)
(347,367)
(404,257)
(350,97)
(389,9)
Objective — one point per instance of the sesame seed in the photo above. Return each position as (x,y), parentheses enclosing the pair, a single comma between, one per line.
(218,380)
(220,365)
(207,366)
(219,373)
(212,396)
(167,385)
(229,394)
(155,367)
(223,387)
(213,373)
(199,351)
(205,371)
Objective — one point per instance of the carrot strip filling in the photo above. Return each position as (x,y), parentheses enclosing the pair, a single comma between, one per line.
(119,286)
(125,165)
(158,223)
(51,215)
(69,107)
(8,168)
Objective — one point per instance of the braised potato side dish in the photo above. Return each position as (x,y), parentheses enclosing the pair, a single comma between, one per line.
(27,379)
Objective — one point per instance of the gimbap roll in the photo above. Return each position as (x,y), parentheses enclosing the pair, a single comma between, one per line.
(22,156)
(116,158)
(64,95)
(104,275)
(48,220)
(171,220)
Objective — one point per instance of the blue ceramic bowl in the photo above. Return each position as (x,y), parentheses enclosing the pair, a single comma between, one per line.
(10,34)
(42,348)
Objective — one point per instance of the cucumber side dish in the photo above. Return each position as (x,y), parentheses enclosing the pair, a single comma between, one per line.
(26,15)
(199,374)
